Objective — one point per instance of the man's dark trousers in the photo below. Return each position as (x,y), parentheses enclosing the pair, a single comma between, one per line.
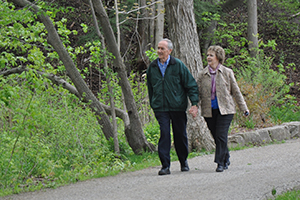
(179,121)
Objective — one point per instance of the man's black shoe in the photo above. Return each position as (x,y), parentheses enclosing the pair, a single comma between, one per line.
(220,168)
(164,171)
(185,167)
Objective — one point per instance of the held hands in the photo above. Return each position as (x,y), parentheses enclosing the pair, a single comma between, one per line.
(193,111)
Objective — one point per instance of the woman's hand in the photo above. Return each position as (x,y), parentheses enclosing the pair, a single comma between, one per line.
(193,111)
(246,113)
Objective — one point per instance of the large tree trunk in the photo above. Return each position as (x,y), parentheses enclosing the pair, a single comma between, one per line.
(183,33)
(81,86)
(252,27)
(135,134)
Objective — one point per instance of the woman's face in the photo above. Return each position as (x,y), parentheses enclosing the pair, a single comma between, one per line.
(212,59)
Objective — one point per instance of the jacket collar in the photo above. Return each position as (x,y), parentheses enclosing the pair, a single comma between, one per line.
(206,70)
(171,62)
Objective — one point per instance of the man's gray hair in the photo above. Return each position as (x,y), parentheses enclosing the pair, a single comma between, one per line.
(170,44)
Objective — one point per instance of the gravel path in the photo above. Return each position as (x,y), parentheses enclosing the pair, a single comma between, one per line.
(253,174)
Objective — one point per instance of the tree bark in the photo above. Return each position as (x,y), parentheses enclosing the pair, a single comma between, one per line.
(252,33)
(160,20)
(73,73)
(134,134)
(183,33)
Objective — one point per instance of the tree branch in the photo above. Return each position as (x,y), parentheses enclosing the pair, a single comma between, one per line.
(295,15)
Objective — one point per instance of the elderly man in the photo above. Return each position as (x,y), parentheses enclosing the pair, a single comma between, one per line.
(170,84)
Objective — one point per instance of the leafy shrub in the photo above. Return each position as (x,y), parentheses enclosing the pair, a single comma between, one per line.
(48,138)
(152,132)
(287,112)
(262,87)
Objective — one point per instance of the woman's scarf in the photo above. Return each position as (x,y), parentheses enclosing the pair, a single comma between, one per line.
(213,81)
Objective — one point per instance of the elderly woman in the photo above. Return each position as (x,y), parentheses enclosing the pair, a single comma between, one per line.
(217,91)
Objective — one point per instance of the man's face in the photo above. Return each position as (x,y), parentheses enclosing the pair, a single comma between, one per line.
(163,51)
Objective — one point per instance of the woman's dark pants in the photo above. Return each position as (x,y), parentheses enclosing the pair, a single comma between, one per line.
(219,125)
(179,121)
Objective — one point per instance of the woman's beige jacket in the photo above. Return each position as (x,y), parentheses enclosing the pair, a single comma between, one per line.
(227,90)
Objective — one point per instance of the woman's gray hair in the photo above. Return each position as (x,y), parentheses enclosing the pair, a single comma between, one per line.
(170,44)
(220,53)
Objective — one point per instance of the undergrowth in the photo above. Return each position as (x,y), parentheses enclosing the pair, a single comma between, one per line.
(49,138)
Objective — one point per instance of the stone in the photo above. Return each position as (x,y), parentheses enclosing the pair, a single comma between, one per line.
(279,133)
(251,138)
(293,128)
(235,141)
(264,135)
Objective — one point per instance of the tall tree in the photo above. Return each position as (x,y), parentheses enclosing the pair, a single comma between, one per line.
(252,33)
(81,86)
(160,20)
(134,131)
(183,33)
(135,135)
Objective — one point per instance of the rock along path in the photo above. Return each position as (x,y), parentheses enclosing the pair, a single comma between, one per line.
(253,174)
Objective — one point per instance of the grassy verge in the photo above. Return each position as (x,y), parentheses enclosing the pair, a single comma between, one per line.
(290,195)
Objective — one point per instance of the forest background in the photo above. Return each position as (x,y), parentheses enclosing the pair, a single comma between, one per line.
(51,133)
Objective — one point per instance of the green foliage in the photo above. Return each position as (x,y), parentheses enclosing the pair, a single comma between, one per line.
(152,132)
(289,111)
(49,138)
(205,12)
(261,85)
(151,54)
(289,195)
(23,39)
(140,91)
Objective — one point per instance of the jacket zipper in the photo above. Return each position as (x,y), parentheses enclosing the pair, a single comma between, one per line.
(163,90)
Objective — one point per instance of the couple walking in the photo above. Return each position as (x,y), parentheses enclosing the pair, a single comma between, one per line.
(170,84)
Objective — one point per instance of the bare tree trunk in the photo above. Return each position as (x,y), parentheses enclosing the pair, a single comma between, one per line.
(118,26)
(142,35)
(108,77)
(135,134)
(252,27)
(160,20)
(183,33)
(152,25)
(81,86)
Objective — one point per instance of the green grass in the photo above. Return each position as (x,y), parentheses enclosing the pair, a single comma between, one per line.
(290,195)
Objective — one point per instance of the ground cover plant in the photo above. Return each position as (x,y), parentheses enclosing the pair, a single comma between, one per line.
(50,138)
(290,195)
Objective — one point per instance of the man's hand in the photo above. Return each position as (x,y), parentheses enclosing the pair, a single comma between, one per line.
(193,111)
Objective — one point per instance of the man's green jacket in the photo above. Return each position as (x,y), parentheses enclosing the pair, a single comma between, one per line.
(171,92)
